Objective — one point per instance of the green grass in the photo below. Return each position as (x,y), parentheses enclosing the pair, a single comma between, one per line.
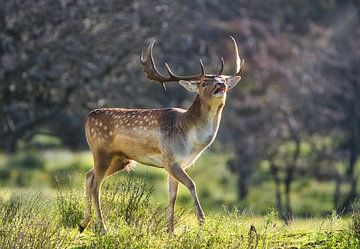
(48,170)
(33,220)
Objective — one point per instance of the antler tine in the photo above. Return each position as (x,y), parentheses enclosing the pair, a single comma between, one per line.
(239,62)
(222,66)
(170,72)
(149,66)
(202,68)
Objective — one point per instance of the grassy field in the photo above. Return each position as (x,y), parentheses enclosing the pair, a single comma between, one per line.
(42,201)
(47,170)
(35,220)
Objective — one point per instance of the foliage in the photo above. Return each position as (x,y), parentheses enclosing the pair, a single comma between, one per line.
(296,109)
(38,222)
(28,223)
(70,208)
(355,226)
(65,171)
(27,160)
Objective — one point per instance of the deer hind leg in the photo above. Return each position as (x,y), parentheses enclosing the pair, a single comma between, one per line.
(179,174)
(89,178)
(106,167)
(102,162)
(93,184)
(94,178)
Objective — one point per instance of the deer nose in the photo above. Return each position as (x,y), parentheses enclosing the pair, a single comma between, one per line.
(220,84)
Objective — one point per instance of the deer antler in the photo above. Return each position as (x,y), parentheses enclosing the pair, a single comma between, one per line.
(239,62)
(154,74)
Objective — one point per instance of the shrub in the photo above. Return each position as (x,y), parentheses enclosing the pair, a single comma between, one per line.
(70,208)
(27,160)
(9,209)
(63,177)
(28,227)
(355,226)
(128,201)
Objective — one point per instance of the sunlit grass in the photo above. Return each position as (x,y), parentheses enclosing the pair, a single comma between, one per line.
(216,185)
(50,224)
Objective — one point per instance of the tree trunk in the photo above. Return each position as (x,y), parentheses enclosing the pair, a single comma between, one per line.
(337,192)
(288,181)
(354,148)
(278,198)
(290,170)
(242,186)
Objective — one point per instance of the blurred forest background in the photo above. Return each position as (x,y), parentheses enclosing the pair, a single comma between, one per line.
(290,132)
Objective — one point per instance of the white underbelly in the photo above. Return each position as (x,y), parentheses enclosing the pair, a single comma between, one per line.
(151,160)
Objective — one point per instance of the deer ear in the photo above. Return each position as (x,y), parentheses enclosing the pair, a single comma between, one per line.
(232,81)
(190,86)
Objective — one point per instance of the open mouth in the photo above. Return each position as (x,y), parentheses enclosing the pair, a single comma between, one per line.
(220,90)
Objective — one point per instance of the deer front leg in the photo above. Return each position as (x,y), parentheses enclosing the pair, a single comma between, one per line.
(179,174)
(173,188)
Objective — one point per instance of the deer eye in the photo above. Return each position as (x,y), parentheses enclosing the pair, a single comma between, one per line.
(204,84)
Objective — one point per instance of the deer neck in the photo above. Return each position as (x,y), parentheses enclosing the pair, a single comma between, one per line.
(203,116)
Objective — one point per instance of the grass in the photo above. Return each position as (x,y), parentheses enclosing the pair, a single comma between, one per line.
(26,222)
(44,201)
(48,170)
(133,221)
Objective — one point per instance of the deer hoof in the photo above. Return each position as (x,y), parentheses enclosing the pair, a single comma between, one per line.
(102,230)
(81,229)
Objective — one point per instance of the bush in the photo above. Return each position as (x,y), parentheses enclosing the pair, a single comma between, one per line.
(63,177)
(70,208)
(29,226)
(128,200)
(20,169)
(355,226)
(9,209)
(27,160)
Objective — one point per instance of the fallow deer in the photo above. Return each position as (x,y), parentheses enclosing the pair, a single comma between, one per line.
(169,138)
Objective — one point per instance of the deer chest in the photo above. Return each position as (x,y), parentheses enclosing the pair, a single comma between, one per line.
(197,140)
